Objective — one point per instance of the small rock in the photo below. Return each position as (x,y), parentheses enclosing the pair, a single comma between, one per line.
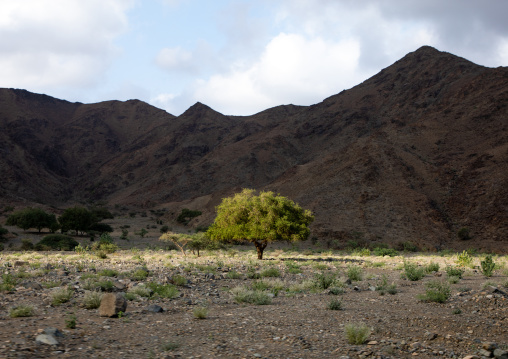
(500,354)
(490,346)
(46,339)
(471,357)
(485,353)
(372,342)
(112,304)
(53,331)
(154,308)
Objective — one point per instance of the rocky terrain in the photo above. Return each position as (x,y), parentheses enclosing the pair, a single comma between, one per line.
(416,152)
(305,301)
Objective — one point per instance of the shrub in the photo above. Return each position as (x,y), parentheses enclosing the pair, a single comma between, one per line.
(21,311)
(200,312)
(179,280)
(139,274)
(412,272)
(436,291)
(26,244)
(57,242)
(101,228)
(464,259)
(163,290)
(487,266)
(453,280)
(244,295)
(432,267)
(354,273)
(356,333)
(381,252)
(454,271)
(61,295)
(324,280)
(142,291)
(186,215)
(293,268)
(92,300)
(464,234)
(70,322)
(335,304)
(407,246)
(336,290)
(233,275)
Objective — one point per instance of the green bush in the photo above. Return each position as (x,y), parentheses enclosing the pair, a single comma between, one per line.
(487,266)
(163,290)
(354,273)
(200,312)
(436,291)
(61,295)
(58,242)
(381,252)
(432,267)
(244,295)
(412,272)
(324,280)
(270,272)
(407,246)
(101,228)
(92,300)
(186,215)
(464,259)
(21,311)
(464,234)
(454,271)
(335,304)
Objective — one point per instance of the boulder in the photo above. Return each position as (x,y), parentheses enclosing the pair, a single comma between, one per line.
(112,304)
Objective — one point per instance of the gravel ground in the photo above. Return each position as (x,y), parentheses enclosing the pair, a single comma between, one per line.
(296,324)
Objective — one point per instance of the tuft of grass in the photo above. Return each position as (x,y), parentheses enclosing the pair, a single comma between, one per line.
(453,280)
(336,290)
(200,312)
(21,311)
(270,272)
(354,273)
(168,346)
(335,304)
(70,322)
(356,333)
(179,280)
(139,274)
(92,300)
(436,291)
(141,290)
(293,268)
(108,273)
(456,311)
(244,295)
(233,275)
(61,295)
(163,290)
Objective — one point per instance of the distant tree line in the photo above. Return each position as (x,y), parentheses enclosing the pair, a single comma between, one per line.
(78,219)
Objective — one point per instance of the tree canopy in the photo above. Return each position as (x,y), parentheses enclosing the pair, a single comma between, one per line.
(33,218)
(78,219)
(260,219)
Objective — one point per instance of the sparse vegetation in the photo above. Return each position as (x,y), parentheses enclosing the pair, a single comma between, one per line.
(335,304)
(356,333)
(488,266)
(436,291)
(21,311)
(354,273)
(61,295)
(200,312)
(413,272)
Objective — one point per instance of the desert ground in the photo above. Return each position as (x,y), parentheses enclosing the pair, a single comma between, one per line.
(301,301)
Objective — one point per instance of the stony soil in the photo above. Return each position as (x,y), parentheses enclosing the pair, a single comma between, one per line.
(294,325)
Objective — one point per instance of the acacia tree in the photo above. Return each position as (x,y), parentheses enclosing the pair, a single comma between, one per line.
(78,219)
(260,219)
(33,218)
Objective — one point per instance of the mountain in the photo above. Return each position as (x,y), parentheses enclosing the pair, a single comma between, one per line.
(414,153)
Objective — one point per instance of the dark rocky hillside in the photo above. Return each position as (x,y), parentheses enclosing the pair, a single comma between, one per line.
(414,153)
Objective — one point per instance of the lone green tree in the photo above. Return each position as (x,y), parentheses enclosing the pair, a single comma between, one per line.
(260,219)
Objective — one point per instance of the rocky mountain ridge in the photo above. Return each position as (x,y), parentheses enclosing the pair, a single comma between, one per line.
(414,153)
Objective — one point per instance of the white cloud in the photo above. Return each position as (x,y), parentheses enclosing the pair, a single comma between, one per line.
(175,59)
(58,43)
(292,69)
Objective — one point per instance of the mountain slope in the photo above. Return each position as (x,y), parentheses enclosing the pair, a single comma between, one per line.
(416,152)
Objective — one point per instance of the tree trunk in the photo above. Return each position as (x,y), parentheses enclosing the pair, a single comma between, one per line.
(260,247)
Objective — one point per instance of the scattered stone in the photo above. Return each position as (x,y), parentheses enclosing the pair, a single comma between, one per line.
(112,304)
(46,339)
(154,308)
(490,346)
(501,354)
(471,357)
(485,353)
(53,332)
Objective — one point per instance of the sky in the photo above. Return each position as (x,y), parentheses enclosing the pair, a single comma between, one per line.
(237,56)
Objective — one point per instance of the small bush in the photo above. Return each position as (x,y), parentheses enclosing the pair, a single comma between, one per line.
(453,280)
(200,312)
(408,246)
(464,234)
(354,273)
(412,272)
(141,290)
(336,290)
(436,291)
(454,271)
(356,334)
(92,300)
(432,267)
(381,252)
(244,295)
(179,280)
(464,259)
(58,242)
(139,274)
(324,280)
(70,322)
(170,346)
(108,273)
(293,268)
(26,244)
(21,311)
(335,304)
(61,295)
(163,290)
(456,311)
(487,266)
